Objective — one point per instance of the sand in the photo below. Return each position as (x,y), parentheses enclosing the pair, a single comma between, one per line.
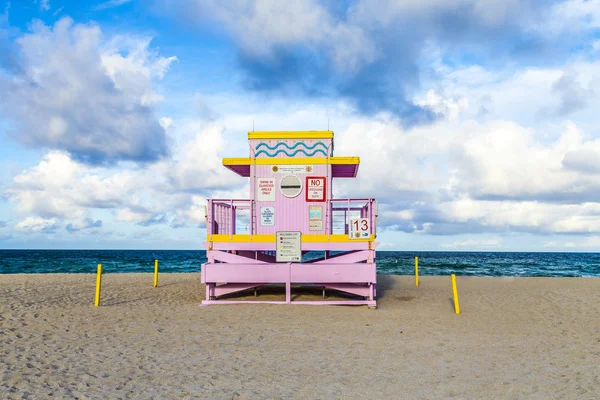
(516,338)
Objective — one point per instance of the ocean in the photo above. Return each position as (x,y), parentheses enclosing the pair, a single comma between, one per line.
(388,262)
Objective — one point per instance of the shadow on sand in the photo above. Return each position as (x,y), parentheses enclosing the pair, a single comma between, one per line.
(314,292)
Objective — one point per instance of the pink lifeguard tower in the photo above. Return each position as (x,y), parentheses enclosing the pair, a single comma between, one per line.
(265,239)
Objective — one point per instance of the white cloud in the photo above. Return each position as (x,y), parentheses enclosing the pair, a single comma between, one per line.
(127,215)
(84,224)
(368,55)
(37,225)
(71,93)
(260,27)
(572,15)
(43,188)
(585,159)
(112,4)
(504,160)
(573,95)
(529,216)
(60,188)
(471,243)
(195,214)
(375,57)
(44,5)
(393,160)
(198,165)
(133,74)
(354,34)
(529,96)
(589,243)
(487,12)
(443,106)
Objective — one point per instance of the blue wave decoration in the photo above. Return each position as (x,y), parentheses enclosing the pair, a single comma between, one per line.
(290,155)
(291,147)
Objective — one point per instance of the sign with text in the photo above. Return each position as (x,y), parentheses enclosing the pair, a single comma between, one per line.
(267,216)
(265,189)
(315,218)
(315,188)
(359,228)
(289,247)
(292,169)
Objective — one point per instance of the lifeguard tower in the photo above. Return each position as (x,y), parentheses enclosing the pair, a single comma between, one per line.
(265,239)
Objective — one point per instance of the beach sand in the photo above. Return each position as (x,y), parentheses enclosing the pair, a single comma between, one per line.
(516,338)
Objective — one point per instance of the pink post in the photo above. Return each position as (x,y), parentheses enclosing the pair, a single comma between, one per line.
(251,218)
(288,285)
(231,221)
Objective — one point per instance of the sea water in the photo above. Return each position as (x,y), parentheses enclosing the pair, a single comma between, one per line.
(388,262)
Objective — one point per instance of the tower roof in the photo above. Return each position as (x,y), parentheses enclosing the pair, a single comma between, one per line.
(290,135)
(341,167)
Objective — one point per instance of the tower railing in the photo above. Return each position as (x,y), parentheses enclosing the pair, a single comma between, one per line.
(233,216)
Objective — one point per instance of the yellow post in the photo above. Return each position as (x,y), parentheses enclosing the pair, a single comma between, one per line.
(455,295)
(98,284)
(416,271)
(155,273)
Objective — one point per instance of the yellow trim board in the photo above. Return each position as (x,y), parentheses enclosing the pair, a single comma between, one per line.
(291,135)
(341,238)
(287,161)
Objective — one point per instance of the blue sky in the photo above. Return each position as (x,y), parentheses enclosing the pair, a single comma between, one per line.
(475,120)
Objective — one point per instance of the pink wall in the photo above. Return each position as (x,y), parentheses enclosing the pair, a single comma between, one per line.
(291,214)
(290,142)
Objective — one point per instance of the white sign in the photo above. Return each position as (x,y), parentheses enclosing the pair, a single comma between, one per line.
(315,225)
(265,189)
(359,228)
(315,188)
(315,218)
(267,216)
(289,247)
(292,169)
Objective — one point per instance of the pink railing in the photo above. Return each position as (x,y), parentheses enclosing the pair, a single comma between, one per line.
(352,208)
(225,215)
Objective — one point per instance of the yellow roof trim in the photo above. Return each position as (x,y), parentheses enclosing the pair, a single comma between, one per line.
(236,161)
(292,161)
(306,238)
(344,160)
(291,135)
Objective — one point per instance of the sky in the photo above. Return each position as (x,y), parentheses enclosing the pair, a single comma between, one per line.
(476,121)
